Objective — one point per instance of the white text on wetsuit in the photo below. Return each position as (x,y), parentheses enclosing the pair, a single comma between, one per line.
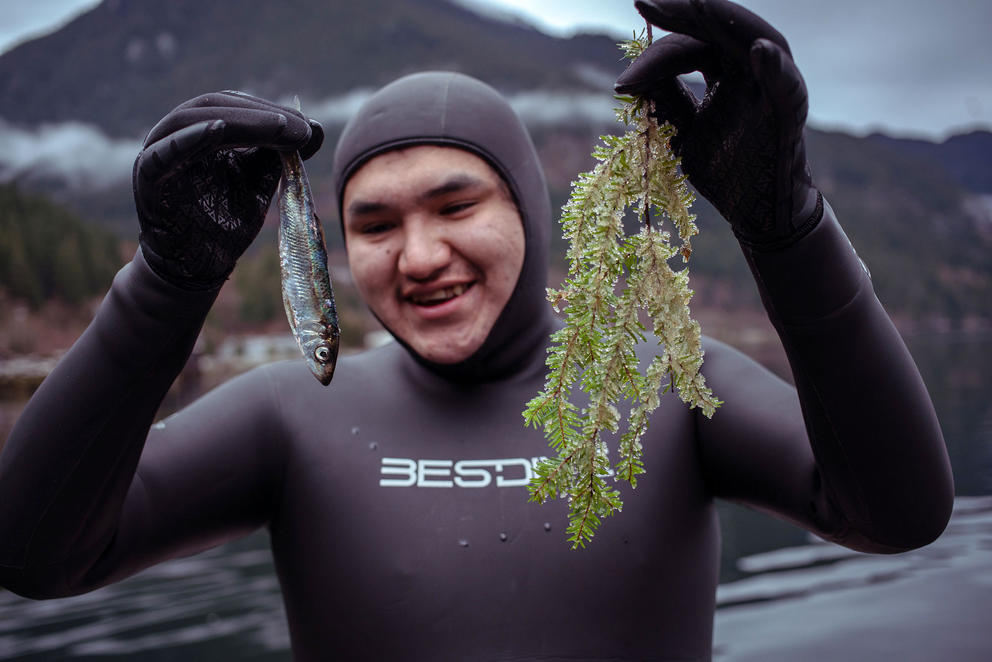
(405,472)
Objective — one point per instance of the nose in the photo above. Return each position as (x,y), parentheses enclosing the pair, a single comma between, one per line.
(425,252)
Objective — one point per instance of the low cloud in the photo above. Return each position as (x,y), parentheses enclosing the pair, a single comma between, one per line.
(81,157)
(76,154)
(336,110)
(548,109)
(536,108)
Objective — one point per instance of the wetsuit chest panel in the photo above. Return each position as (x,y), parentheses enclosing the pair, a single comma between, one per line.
(406,533)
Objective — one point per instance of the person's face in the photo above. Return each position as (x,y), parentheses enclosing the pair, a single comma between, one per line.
(435,245)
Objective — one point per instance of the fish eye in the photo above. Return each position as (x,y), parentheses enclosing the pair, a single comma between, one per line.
(322,354)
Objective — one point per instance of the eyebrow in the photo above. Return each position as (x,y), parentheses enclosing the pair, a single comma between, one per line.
(455,183)
(362,207)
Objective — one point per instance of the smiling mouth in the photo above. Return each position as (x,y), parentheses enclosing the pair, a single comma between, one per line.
(438,297)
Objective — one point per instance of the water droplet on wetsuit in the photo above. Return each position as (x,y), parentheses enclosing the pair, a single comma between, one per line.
(373,446)
(547,526)
(354,430)
(503,536)
(463,542)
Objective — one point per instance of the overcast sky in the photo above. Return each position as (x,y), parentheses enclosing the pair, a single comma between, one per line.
(908,67)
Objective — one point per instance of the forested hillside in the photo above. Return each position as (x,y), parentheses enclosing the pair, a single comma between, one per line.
(47,252)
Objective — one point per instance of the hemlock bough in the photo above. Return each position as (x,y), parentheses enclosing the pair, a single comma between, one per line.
(596,347)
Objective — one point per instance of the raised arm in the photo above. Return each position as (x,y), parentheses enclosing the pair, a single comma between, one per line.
(67,470)
(874,473)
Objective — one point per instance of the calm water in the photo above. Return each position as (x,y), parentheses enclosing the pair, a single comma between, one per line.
(224,604)
(958,372)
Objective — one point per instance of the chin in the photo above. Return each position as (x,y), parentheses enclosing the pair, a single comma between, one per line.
(446,353)
(445,357)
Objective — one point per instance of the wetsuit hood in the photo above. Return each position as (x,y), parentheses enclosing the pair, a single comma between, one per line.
(455,110)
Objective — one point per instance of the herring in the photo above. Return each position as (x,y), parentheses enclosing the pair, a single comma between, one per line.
(306,283)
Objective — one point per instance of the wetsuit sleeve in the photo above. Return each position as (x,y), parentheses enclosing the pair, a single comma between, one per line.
(78,511)
(858,456)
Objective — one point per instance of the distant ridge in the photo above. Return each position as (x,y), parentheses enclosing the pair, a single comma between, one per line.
(967,157)
(126,62)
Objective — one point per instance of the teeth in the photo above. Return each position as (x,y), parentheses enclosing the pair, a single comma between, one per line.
(440,295)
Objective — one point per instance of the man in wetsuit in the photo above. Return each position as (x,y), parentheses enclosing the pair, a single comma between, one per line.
(395,497)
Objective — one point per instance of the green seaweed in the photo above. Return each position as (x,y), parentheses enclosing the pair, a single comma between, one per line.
(614,277)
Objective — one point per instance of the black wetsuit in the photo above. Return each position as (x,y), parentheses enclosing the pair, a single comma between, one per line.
(395,497)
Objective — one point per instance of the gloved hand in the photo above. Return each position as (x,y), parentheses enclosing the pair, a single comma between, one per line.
(205,178)
(742,146)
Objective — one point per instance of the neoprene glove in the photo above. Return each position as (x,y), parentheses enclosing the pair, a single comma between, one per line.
(742,145)
(204,181)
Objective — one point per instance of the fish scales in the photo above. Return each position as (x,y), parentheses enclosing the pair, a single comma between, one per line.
(306,285)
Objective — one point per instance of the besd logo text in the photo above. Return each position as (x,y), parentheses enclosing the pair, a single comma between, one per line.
(405,472)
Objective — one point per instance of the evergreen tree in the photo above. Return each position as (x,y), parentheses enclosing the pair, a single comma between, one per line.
(48,252)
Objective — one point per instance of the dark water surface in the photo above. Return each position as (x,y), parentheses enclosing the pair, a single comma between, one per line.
(225,604)
(958,373)
(824,603)
(957,369)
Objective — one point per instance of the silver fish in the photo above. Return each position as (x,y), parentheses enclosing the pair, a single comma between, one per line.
(306,283)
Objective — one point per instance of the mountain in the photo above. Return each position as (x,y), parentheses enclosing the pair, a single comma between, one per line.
(916,228)
(912,219)
(918,212)
(965,157)
(122,65)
